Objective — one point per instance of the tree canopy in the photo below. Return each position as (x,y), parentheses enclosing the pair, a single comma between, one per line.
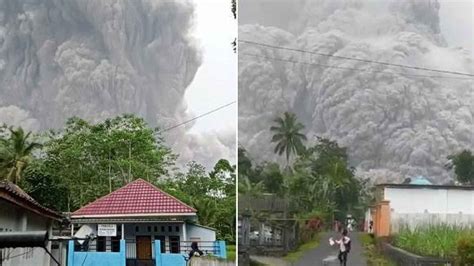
(463,164)
(15,153)
(287,135)
(83,161)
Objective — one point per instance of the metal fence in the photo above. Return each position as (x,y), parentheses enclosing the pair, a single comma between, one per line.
(100,244)
(174,247)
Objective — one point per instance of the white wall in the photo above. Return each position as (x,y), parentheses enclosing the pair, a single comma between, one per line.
(414,207)
(198,232)
(439,201)
(13,218)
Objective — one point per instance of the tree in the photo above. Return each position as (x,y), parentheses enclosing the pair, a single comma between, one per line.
(15,154)
(247,188)
(91,160)
(324,181)
(233,8)
(463,164)
(273,178)
(287,135)
(211,194)
(245,164)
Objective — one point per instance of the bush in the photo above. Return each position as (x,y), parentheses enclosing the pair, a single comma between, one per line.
(374,257)
(465,250)
(431,240)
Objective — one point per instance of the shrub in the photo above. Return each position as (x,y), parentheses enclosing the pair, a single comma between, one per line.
(465,250)
(431,240)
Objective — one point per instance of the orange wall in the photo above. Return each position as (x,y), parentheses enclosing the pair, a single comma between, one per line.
(381,218)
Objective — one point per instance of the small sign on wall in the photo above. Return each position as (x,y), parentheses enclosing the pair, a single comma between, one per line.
(107,230)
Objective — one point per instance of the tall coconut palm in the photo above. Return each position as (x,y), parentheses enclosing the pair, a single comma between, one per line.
(288,135)
(15,153)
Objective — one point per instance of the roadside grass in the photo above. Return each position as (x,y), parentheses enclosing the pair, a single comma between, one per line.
(432,240)
(256,263)
(374,258)
(294,256)
(231,251)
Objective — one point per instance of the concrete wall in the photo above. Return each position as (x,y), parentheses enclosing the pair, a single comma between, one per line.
(96,258)
(430,200)
(200,233)
(13,218)
(165,259)
(416,207)
(413,220)
(209,262)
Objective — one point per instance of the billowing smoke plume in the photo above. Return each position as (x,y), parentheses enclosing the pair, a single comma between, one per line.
(391,121)
(97,59)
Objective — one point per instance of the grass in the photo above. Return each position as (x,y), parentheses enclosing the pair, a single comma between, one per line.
(374,258)
(231,252)
(294,256)
(431,240)
(256,263)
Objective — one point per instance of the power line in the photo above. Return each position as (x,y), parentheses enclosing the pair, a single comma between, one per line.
(356,59)
(348,68)
(199,116)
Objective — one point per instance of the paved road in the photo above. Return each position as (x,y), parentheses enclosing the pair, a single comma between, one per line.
(273,261)
(324,251)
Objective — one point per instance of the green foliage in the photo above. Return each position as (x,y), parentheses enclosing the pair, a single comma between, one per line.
(256,263)
(84,161)
(374,258)
(287,135)
(231,252)
(91,160)
(463,164)
(432,240)
(15,153)
(323,180)
(320,181)
(245,164)
(49,190)
(297,254)
(465,249)
(211,194)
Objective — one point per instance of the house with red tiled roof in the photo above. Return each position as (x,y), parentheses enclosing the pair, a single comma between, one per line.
(138,224)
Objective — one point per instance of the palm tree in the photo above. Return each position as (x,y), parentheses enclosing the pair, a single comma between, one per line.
(287,135)
(249,189)
(15,154)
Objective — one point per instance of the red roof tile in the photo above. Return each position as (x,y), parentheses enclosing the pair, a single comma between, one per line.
(136,198)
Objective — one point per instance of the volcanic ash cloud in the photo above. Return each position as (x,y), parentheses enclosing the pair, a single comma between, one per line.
(95,59)
(390,120)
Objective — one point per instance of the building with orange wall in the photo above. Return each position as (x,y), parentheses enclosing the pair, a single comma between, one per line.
(414,205)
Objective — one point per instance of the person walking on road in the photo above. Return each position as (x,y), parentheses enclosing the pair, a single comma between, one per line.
(344,247)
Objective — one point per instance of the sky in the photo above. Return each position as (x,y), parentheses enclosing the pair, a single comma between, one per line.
(456,18)
(215,83)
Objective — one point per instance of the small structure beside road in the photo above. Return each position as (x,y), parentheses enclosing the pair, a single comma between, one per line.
(418,203)
(20,213)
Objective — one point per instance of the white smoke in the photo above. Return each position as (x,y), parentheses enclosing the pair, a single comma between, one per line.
(389,122)
(97,59)
(12,115)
